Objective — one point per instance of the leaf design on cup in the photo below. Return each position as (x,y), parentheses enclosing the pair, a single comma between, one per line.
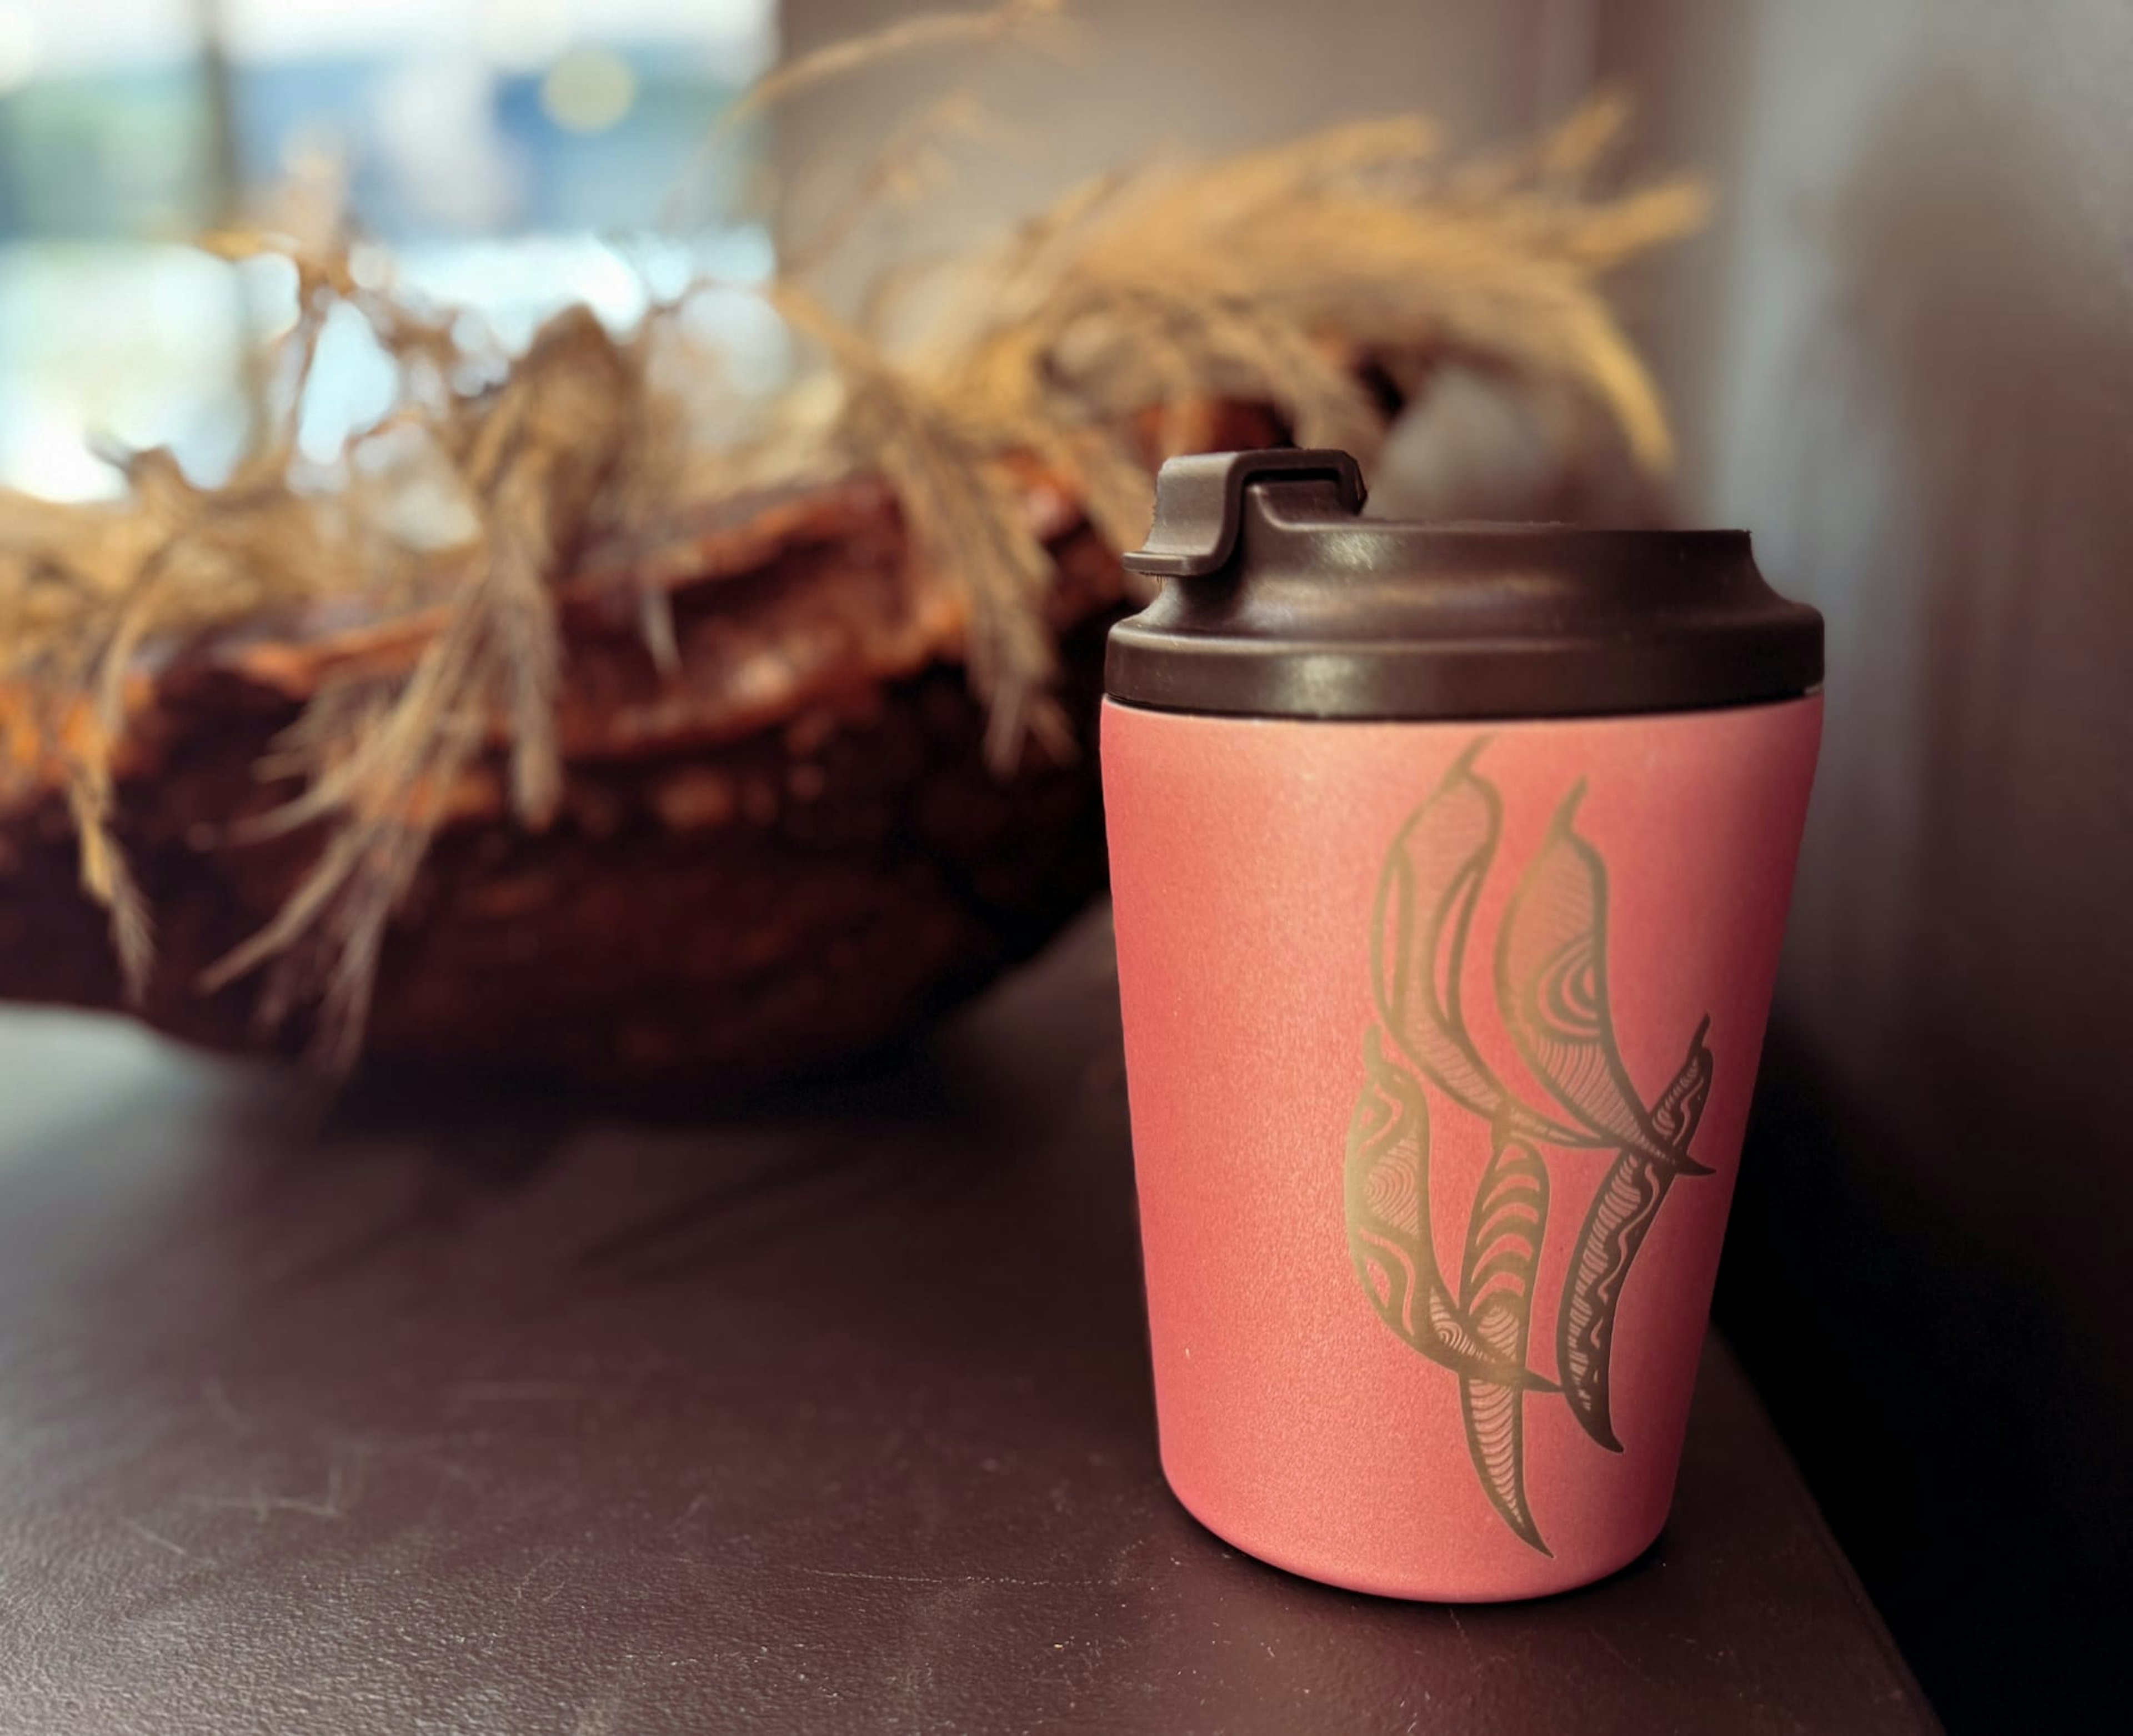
(1552,992)
(1552,989)
(1622,1213)
(1552,986)
(1388,1176)
(1680,1106)
(1388,1227)
(1427,890)
(1495,1286)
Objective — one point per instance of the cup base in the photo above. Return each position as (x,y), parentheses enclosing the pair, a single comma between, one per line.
(1544,1577)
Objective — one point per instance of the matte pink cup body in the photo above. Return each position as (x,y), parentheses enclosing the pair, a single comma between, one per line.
(1372,974)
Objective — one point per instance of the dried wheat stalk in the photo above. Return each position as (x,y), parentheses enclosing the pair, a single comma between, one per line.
(1133,302)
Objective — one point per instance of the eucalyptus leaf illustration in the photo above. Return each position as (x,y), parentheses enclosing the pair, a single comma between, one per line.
(1427,890)
(1496,1285)
(1389,1234)
(1680,1106)
(1622,1213)
(1552,993)
(1388,1175)
(1552,989)
(1552,985)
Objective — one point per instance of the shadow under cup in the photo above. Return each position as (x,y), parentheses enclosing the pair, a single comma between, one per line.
(1442,1011)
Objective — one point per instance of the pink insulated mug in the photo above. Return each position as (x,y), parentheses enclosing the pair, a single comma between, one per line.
(1451,864)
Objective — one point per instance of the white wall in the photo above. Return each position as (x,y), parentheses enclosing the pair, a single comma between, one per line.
(1157,73)
(1904,357)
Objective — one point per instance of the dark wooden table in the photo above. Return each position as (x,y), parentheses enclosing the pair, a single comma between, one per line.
(454,1415)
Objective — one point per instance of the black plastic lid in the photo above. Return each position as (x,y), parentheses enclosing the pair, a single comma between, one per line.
(1282,602)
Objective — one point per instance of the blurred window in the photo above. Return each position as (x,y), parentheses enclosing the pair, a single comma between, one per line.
(495,144)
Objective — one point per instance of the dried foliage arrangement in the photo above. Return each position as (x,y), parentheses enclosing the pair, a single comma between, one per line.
(549,594)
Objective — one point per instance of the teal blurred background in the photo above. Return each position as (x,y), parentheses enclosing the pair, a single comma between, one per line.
(498,146)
